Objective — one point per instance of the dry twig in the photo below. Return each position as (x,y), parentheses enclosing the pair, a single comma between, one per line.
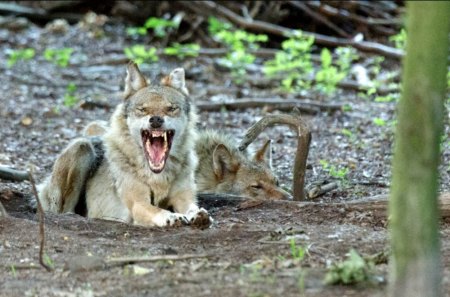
(41,222)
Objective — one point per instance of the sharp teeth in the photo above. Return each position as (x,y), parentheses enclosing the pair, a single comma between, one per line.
(165,136)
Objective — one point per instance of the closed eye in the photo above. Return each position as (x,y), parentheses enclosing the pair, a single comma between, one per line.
(256,186)
(172,108)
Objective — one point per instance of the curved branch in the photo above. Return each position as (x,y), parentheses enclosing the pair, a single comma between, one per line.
(303,142)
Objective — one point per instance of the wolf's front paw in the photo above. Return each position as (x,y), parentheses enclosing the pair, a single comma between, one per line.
(200,218)
(166,218)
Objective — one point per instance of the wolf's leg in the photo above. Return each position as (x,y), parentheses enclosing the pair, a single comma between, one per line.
(61,191)
(136,197)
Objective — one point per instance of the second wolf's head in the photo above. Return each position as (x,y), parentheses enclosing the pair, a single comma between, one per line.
(159,116)
(223,168)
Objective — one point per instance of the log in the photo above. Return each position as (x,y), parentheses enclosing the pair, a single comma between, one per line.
(306,106)
(379,204)
(13,174)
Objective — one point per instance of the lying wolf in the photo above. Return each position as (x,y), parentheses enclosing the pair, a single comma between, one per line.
(142,167)
(223,168)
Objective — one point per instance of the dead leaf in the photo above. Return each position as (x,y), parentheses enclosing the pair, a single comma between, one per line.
(26,121)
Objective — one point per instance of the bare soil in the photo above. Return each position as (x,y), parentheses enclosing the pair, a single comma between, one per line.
(247,251)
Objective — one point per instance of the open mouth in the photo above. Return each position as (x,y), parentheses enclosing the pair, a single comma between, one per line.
(157,144)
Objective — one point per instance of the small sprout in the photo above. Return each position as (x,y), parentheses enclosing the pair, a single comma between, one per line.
(297,252)
(22,54)
(159,26)
(379,122)
(58,57)
(351,271)
(182,50)
(70,99)
(139,54)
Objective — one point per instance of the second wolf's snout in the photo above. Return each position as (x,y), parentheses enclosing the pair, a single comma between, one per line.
(156,121)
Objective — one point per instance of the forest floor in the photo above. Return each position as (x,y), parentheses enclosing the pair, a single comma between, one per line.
(247,251)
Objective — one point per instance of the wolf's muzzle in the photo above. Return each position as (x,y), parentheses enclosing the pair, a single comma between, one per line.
(156,121)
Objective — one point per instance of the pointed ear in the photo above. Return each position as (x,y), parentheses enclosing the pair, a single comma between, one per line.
(223,161)
(264,154)
(176,80)
(134,80)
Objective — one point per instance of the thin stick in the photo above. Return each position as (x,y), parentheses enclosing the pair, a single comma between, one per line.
(128,260)
(41,222)
(301,155)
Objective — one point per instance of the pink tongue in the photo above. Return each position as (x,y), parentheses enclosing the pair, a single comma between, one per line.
(156,151)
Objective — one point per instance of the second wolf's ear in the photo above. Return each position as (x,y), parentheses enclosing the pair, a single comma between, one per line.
(134,80)
(176,80)
(223,162)
(264,154)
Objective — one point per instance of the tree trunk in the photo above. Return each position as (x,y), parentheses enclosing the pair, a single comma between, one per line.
(415,266)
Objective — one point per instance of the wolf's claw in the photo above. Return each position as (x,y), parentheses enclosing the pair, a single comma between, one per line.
(200,219)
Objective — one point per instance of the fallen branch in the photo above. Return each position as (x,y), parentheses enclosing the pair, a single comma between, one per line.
(260,26)
(318,17)
(12,174)
(318,190)
(41,222)
(303,142)
(87,263)
(379,204)
(306,106)
(130,260)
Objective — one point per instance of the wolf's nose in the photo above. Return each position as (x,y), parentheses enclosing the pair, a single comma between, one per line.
(156,121)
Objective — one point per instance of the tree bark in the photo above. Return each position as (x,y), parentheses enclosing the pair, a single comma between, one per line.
(415,268)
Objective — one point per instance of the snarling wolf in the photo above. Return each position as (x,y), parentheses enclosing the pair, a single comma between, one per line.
(223,168)
(141,170)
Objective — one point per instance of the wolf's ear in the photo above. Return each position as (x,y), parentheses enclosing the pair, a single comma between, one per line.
(176,80)
(264,154)
(223,162)
(134,80)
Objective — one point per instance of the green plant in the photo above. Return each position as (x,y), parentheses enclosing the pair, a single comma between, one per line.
(351,271)
(345,57)
(58,57)
(13,270)
(297,252)
(379,122)
(48,261)
(239,42)
(328,76)
(399,39)
(139,54)
(70,99)
(293,62)
(20,54)
(159,26)
(182,50)
(334,171)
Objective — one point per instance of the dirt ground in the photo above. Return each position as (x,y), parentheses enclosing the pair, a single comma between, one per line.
(246,252)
